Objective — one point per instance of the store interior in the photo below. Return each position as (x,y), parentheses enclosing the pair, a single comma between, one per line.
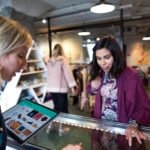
(129,22)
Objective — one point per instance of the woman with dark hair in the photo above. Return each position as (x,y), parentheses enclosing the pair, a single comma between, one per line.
(119,62)
(120,94)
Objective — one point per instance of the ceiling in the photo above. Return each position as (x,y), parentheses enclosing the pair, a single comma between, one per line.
(73,13)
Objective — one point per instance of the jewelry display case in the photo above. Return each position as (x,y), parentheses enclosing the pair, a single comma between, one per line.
(93,134)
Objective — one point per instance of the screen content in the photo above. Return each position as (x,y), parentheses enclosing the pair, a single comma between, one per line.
(27,117)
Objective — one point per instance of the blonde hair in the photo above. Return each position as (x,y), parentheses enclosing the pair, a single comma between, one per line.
(58,51)
(12,35)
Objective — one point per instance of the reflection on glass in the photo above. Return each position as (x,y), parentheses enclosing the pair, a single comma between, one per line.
(91,139)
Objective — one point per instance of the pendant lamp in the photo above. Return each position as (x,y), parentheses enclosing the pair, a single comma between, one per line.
(83,33)
(102,7)
(44,21)
(146,38)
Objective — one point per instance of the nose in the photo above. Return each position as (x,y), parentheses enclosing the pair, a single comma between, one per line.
(24,65)
(103,62)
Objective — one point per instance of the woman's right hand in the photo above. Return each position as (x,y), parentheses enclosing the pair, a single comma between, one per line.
(73,91)
(133,131)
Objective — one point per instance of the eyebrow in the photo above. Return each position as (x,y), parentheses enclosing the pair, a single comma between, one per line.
(104,56)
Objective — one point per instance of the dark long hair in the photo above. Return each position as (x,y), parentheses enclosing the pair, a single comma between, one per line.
(110,43)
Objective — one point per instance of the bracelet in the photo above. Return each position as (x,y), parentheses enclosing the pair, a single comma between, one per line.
(134,123)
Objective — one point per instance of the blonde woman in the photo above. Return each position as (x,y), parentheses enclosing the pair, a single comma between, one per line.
(14,43)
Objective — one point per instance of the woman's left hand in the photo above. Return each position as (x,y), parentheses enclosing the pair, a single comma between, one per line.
(73,147)
(133,131)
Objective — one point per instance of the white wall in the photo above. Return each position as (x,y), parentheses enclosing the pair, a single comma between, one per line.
(43,45)
(71,43)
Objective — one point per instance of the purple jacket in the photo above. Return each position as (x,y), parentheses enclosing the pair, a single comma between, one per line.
(133,102)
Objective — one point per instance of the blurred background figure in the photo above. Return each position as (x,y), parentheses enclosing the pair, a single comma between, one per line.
(59,80)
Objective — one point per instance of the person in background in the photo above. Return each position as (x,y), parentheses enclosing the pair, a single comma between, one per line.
(148,75)
(59,80)
(15,41)
(148,71)
(120,94)
(142,75)
(79,88)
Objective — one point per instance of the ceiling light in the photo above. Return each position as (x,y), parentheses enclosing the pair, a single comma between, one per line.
(88,40)
(146,38)
(44,20)
(97,39)
(83,33)
(102,7)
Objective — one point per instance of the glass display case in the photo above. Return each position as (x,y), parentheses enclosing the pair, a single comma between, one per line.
(92,133)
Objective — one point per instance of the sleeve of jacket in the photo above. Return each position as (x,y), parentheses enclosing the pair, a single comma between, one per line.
(90,90)
(68,74)
(138,102)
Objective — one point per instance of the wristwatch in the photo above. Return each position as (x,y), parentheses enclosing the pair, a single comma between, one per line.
(134,123)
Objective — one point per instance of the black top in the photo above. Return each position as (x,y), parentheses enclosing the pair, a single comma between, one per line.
(3,133)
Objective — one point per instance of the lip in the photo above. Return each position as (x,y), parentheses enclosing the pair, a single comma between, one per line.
(106,68)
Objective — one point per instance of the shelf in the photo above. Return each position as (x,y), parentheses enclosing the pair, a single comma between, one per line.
(33,72)
(32,86)
(34,60)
